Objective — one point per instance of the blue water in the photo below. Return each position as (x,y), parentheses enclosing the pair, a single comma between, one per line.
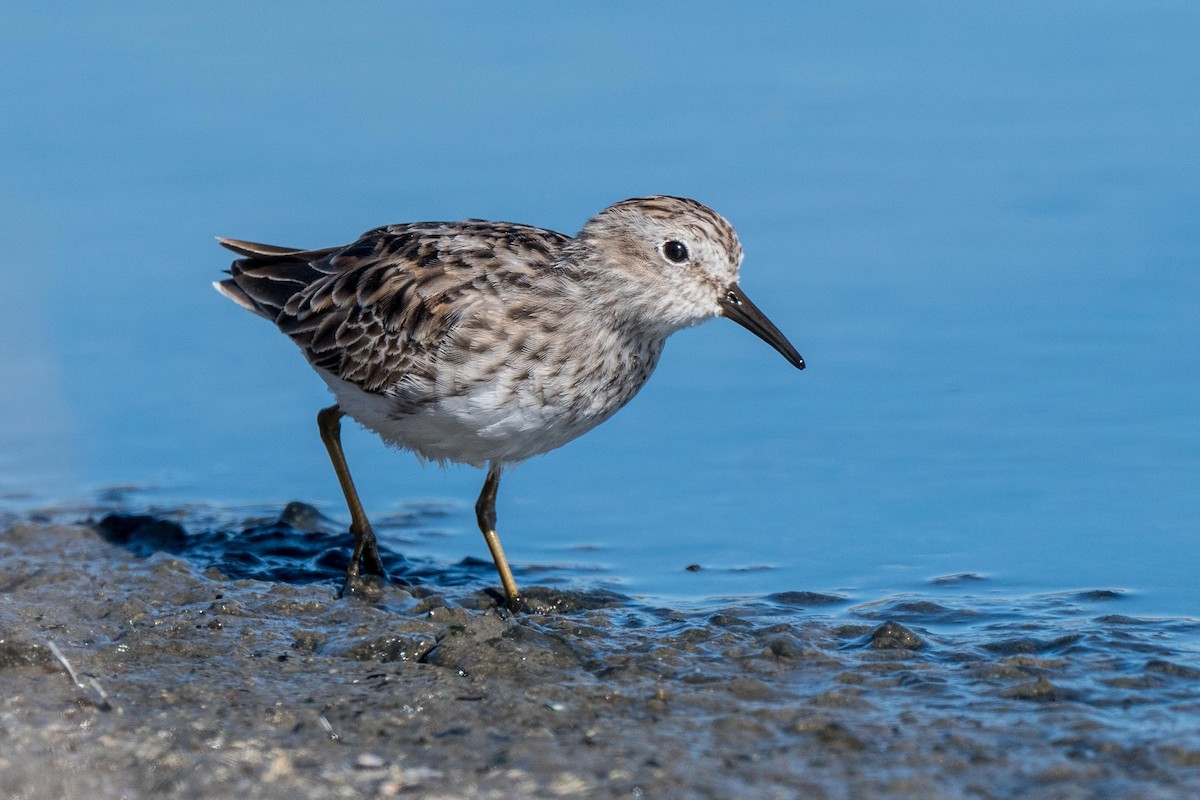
(978,223)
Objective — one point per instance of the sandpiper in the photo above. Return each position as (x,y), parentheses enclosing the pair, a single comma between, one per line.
(487,343)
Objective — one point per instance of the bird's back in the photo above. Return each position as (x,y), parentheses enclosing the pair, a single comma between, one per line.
(378,311)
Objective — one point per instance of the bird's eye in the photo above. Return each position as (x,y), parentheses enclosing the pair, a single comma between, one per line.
(676,252)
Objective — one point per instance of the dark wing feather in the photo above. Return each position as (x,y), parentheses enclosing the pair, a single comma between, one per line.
(377,312)
(268,276)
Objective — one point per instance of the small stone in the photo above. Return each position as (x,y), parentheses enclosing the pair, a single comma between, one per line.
(1039,691)
(894,636)
(369,761)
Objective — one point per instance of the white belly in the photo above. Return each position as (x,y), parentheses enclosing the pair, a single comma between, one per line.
(486,425)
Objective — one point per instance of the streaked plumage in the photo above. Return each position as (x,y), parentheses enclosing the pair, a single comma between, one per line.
(491,342)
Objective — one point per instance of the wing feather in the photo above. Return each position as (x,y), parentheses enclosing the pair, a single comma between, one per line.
(379,312)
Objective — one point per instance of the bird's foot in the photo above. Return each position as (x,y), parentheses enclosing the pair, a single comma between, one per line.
(365,576)
(363,587)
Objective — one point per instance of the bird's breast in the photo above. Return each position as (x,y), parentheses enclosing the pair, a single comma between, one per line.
(513,404)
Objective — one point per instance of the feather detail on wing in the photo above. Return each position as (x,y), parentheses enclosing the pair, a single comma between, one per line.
(376,312)
(268,276)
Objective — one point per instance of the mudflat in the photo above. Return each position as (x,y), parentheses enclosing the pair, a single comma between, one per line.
(132,672)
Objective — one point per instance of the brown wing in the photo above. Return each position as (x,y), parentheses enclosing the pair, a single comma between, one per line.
(377,312)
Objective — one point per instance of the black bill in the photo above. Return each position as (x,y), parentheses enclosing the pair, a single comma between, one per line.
(738,308)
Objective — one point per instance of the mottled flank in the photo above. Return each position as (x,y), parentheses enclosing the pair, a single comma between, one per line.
(491,342)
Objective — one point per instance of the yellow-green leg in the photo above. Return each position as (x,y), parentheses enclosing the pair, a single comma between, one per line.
(366,551)
(485,512)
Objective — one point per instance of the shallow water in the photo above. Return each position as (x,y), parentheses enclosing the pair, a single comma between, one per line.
(977,224)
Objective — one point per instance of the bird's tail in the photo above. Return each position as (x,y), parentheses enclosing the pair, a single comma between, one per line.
(266,276)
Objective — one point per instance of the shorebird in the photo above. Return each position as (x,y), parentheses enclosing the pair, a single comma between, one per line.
(487,343)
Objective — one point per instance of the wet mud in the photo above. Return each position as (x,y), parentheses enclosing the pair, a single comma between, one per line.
(156,655)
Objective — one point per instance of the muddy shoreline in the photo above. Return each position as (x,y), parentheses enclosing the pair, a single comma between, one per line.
(193,683)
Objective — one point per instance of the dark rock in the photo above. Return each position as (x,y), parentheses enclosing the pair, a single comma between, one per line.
(894,636)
